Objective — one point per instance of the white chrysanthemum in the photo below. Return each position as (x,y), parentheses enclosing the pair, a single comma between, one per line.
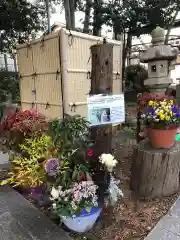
(109,161)
(54,194)
(54,205)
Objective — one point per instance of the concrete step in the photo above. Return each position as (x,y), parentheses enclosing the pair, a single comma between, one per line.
(21,220)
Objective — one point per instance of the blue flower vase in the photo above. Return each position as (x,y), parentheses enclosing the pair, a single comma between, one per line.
(82,222)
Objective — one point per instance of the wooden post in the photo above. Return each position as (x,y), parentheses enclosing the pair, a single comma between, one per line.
(102,83)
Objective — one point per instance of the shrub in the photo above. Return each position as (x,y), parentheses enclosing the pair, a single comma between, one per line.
(26,173)
(71,136)
(21,125)
(135,76)
(28,168)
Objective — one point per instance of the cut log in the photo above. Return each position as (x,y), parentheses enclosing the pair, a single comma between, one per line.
(155,172)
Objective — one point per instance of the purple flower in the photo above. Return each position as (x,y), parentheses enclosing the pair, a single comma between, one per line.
(174,109)
(52,167)
(151,110)
(177,114)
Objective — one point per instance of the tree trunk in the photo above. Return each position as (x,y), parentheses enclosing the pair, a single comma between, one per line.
(97,21)
(87,16)
(102,82)
(155,173)
(72,13)
(126,49)
(67,14)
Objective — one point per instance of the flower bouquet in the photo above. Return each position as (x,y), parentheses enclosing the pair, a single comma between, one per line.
(161,117)
(77,206)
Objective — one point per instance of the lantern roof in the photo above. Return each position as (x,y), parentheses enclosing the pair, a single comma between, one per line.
(158,50)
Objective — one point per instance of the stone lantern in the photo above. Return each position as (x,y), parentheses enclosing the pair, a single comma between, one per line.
(159,58)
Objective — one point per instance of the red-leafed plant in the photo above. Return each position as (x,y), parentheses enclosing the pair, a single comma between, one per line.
(23,124)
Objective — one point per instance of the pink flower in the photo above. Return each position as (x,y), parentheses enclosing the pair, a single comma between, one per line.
(76,196)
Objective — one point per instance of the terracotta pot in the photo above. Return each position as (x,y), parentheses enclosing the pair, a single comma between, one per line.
(161,138)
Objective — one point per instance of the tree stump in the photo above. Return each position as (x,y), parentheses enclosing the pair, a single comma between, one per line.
(155,172)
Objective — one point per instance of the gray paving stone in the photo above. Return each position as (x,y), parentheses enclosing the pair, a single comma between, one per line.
(170,223)
(3,209)
(175,209)
(162,234)
(35,222)
(11,230)
(56,235)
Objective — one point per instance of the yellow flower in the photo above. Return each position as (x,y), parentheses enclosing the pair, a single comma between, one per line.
(170,113)
(167,118)
(150,103)
(166,109)
(162,117)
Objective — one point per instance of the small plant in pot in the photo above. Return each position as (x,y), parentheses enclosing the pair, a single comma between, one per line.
(161,116)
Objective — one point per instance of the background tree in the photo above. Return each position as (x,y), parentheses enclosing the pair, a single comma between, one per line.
(87,11)
(70,7)
(134,17)
(19,21)
(135,76)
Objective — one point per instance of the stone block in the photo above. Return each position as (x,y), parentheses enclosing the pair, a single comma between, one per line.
(10,229)
(162,234)
(57,234)
(32,220)
(174,211)
(171,224)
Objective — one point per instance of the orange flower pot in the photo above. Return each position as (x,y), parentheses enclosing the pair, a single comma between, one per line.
(161,138)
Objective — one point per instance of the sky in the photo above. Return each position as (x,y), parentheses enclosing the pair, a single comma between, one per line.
(59,16)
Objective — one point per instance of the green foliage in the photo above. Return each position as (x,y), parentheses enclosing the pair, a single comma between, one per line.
(139,17)
(9,84)
(20,21)
(71,135)
(28,168)
(39,147)
(135,75)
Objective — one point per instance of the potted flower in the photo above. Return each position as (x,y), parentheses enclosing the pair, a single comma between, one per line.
(161,117)
(77,206)
(81,188)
